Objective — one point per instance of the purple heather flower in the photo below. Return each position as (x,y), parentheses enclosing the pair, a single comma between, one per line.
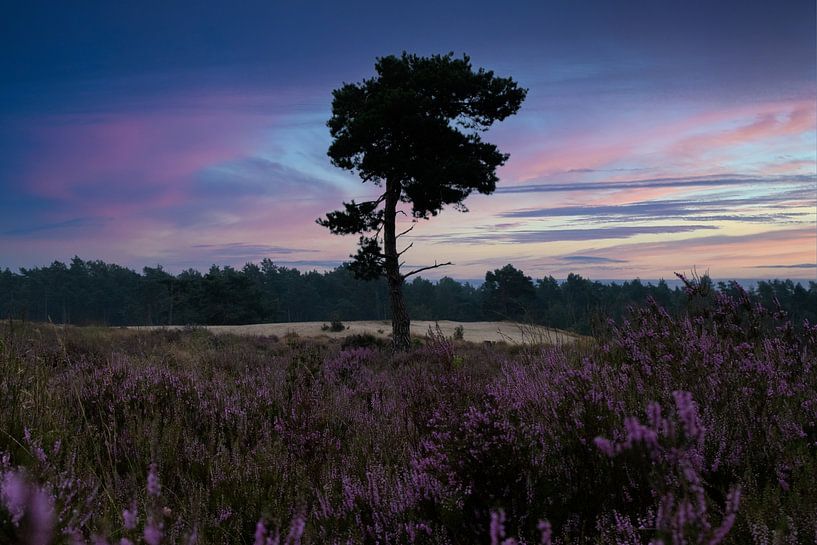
(154,487)
(605,446)
(42,517)
(688,413)
(547,532)
(654,415)
(39,453)
(260,533)
(296,530)
(129,517)
(14,495)
(497,527)
(153,532)
(639,433)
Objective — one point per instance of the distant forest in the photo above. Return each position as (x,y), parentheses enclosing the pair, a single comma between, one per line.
(94,292)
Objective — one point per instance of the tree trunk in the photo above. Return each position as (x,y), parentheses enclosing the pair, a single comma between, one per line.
(400,322)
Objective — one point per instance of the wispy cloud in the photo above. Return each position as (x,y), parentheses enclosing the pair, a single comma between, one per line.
(562,235)
(685,182)
(240,249)
(720,251)
(319,263)
(50,228)
(795,266)
(704,208)
(255,177)
(590,259)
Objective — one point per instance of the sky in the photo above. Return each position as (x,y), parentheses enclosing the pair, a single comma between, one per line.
(657,136)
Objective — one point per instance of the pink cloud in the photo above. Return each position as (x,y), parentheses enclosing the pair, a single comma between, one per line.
(124,155)
(764,127)
(153,182)
(669,146)
(723,255)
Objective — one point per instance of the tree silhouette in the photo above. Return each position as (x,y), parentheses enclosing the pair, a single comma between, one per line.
(508,294)
(414,131)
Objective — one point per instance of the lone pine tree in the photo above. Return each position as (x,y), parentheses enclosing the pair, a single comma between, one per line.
(414,131)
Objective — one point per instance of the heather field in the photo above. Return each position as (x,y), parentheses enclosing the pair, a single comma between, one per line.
(699,428)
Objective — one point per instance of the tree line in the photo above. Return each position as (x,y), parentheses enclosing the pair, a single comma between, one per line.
(94,292)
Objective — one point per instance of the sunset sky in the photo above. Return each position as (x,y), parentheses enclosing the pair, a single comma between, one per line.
(656,137)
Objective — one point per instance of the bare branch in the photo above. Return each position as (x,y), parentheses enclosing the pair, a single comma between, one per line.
(380,199)
(413,225)
(421,269)
(406,249)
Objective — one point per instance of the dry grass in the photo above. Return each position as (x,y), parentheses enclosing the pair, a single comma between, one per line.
(477,332)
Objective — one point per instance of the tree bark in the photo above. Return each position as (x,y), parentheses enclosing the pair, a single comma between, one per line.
(400,321)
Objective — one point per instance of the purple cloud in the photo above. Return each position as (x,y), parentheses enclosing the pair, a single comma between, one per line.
(705,208)
(561,235)
(590,259)
(692,181)
(50,229)
(796,266)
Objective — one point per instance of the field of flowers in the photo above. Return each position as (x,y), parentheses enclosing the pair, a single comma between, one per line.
(694,429)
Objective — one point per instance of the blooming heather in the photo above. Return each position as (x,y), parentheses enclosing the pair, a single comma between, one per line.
(690,427)
(14,495)
(129,518)
(153,486)
(153,532)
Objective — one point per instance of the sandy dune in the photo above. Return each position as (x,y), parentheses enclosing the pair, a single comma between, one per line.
(472,331)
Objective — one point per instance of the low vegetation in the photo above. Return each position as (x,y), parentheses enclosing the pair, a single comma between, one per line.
(697,428)
(335,326)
